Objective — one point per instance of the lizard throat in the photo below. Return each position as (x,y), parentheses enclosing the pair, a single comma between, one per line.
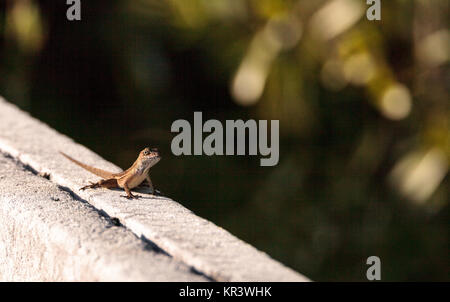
(145,166)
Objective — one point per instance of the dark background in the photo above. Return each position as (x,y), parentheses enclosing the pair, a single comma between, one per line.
(359,174)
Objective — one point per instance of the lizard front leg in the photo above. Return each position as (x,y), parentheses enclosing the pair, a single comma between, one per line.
(128,191)
(149,182)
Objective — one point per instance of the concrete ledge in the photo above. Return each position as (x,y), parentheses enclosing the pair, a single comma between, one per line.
(186,237)
(47,235)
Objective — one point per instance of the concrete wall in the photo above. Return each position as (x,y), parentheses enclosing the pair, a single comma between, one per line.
(50,230)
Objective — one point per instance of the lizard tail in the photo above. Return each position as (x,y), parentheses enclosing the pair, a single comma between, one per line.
(96,171)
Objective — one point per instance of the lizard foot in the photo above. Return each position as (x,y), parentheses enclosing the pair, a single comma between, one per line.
(131,196)
(156,192)
(92,185)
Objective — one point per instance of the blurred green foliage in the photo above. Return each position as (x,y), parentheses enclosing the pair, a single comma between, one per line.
(363,109)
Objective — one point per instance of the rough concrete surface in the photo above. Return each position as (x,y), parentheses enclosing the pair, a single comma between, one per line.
(173,228)
(47,235)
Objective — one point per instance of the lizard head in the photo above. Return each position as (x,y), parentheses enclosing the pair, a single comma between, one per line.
(150,156)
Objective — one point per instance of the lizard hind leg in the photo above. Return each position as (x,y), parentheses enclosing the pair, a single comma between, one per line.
(104,183)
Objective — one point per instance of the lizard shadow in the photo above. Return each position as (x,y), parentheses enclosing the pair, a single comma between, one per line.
(142,191)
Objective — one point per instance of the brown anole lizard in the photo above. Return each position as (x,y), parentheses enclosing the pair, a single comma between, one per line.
(128,179)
